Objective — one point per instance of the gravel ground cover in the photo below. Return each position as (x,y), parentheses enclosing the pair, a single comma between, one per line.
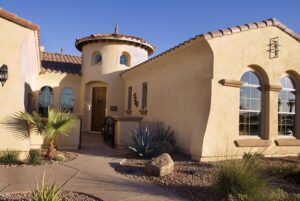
(65,196)
(69,156)
(192,180)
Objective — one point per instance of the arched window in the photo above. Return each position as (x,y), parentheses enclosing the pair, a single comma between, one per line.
(45,100)
(287,107)
(125,59)
(250,104)
(96,58)
(67,99)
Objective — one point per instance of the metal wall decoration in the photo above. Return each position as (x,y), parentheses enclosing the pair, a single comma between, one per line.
(135,101)
(3,74)
(274,48)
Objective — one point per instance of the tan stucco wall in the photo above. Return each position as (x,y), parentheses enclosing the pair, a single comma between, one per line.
(19,51)
(232,55)
(184,91)
(179,87)
(106,74)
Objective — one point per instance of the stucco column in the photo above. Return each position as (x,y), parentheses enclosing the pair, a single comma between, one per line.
(272,120)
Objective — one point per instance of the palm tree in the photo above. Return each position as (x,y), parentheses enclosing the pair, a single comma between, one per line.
(57,123)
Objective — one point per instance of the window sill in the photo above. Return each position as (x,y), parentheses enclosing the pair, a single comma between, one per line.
(252,143)
(143,112)
(287,142)
(128,112)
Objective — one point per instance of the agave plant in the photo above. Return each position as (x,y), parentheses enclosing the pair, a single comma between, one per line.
(142,141)
(57,123)
(163,135)
(45,192)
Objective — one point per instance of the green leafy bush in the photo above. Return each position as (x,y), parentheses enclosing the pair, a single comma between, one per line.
(45,192)
(238,178)
(34,157)
(9,157)
(142,141)
(288,172)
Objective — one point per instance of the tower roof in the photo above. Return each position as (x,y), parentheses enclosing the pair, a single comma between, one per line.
(115,38)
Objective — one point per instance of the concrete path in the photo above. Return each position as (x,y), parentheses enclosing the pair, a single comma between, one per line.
(95,176)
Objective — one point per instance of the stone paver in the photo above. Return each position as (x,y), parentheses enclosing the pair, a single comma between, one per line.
(96,176)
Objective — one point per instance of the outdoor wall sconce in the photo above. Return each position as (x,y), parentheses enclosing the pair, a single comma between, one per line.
(3,74)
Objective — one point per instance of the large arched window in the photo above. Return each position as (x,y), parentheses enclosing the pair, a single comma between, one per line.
(96,58)
(45,100)
(250,104)
(287,107)
(125,59)
(67,99)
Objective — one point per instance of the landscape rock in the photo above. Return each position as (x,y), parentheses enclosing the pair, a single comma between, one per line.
(160,166)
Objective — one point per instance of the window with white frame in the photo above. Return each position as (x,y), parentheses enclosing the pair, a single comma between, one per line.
(125,59)
(67,99)
(287,107)
(45,100)
(250,105)
(96,58)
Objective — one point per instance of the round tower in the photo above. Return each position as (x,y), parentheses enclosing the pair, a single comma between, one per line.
(104,56)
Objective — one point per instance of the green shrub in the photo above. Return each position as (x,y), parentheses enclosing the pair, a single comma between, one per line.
(142,141)
(34,157)
(238,178)
(60,157)
(9,157)
(161,134)
(288,172)
(270,195)
(45,193)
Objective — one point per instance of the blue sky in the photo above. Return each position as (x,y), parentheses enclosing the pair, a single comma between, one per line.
(163,23)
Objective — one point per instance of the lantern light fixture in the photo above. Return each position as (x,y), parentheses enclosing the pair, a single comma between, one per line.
(3,74)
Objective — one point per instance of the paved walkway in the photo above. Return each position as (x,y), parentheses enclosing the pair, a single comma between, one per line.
(96,176)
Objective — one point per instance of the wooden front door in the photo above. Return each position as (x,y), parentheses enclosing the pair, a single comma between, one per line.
(98,108)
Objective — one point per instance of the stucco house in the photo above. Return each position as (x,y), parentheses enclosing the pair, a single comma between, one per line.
(226,92)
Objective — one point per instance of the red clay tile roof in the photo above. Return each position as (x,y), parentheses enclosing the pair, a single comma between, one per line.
(18,20)
(116,37)
(60,63)
(223,32)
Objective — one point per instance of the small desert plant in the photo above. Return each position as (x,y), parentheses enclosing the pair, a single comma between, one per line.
(164,135)
(193,171)
(253,156)
(9,157)
(45,192)
(288,172)
(59,157)
(238,178)
(142,141)
(34,157)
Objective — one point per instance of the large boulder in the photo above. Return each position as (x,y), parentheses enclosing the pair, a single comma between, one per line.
(163,147)
(160,166)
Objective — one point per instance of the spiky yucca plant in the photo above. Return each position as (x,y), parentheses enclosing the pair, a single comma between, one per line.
(57,123)
(142,141)
(45,192)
